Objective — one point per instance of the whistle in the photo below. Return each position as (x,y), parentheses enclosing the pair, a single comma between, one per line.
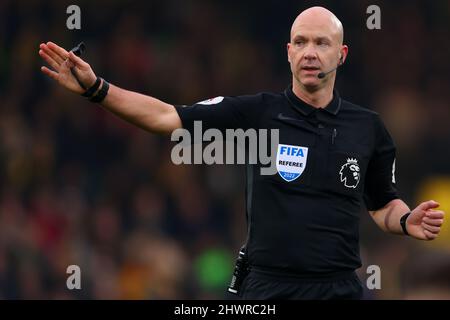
(79,49)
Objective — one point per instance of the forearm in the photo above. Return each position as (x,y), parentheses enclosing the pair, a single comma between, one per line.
(75,75)
(143,111)
(388,217)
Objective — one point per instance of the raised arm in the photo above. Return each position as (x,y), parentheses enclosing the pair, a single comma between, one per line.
(141,110)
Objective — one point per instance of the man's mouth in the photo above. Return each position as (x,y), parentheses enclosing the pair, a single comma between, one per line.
(310,68)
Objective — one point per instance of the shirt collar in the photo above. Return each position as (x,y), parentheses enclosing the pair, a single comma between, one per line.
(306,109)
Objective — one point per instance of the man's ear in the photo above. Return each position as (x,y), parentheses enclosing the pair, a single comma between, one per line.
(344,53)
(287,49)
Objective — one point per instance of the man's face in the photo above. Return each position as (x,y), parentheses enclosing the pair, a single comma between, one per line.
(315,46)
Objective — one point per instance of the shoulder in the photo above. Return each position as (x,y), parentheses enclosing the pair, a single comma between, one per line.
(261,98)
(355,111)
(366,118)
(351,107)
(247,100)
(372,120)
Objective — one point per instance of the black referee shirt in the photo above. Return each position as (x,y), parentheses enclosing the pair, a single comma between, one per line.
(330,161)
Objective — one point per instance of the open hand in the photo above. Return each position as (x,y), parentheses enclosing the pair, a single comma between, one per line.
(61,61)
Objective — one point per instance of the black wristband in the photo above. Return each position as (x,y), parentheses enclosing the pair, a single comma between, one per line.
(101,93)
(90,92)
(403,223)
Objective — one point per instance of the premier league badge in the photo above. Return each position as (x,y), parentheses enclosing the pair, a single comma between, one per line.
(291,161)
(350,173)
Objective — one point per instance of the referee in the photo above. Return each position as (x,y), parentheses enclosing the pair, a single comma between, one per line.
(303,240)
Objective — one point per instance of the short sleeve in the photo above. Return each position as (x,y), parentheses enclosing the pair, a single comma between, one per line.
(222,113)
(380,186)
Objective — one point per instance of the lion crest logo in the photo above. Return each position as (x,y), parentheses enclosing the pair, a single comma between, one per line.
(350,173)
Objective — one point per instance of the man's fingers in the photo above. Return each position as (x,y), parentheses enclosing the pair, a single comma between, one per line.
(50,73)
(430,228)
(78,61)
(49,60)
(60,51)
(434,214)
(429,235)
(428,205)
(52,53)
(433,222)
(68,64)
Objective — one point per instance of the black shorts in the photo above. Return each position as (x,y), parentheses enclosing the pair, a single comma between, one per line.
(263,286)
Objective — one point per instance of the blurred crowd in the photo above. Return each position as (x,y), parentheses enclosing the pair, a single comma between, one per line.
(80,187)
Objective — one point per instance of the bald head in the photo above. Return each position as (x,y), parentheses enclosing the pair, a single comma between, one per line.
(316,47)
(319,17)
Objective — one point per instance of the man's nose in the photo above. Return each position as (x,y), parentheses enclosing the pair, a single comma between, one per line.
(310,53)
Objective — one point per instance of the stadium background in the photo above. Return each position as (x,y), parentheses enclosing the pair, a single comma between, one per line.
(78,186)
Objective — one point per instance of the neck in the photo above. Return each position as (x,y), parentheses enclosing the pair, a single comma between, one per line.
(317,97)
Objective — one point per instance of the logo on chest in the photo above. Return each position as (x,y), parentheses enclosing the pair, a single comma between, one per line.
(291,161)
(350,173)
